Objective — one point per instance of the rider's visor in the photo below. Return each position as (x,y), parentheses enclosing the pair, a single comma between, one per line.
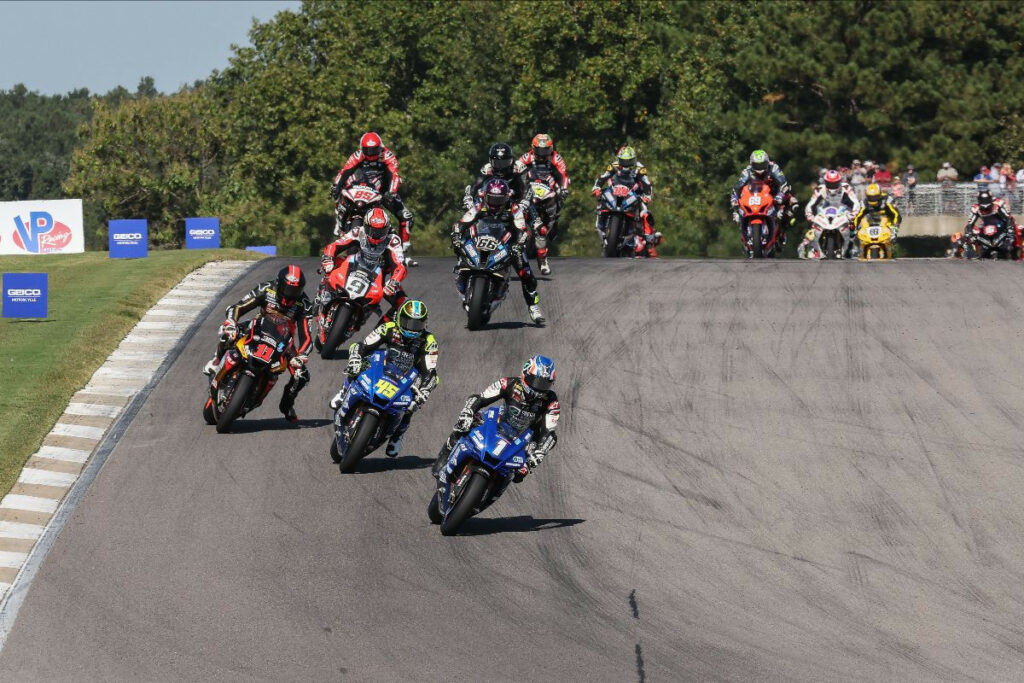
(539,383)
(414,324)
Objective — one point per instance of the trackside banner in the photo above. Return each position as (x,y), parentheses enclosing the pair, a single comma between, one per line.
(128,238)
(45,226)
(202,233)
(25,295)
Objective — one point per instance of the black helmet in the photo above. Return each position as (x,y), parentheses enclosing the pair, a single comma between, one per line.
(501,157)
(497,194)
(985,201)
(290,284)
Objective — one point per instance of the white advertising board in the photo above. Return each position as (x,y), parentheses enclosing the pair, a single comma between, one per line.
(44,226)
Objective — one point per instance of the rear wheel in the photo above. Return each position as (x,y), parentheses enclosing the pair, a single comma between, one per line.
(479,304)
(471,495)
(238,398)
(613,232)
(339,330)
(359,444)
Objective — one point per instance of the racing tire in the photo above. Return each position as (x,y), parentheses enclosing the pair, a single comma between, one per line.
(335,455)
(472,492)
(243,387)
(830,247)
(612,233)
(208,415)
(434,510)
(479,304)
(338,333)
(359,446)
(756,246)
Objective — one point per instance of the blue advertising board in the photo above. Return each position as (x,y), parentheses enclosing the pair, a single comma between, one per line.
(128,238)
(24,295)
(269,250)
(202,233)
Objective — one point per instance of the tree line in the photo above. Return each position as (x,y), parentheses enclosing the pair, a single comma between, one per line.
(694,86)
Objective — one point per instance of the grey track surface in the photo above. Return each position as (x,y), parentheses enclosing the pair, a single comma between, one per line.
(772,471)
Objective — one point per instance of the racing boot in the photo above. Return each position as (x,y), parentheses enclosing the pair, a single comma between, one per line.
(545,268)
(287,408)
(338,399)
(536,315)
(395,442)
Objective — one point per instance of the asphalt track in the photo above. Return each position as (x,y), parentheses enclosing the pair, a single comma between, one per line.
(784,470)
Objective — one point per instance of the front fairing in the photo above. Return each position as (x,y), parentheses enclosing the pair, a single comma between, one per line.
(384,385)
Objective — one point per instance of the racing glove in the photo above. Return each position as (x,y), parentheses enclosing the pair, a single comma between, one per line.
(464,421)
(390,287)
(534,456)
(228,329)
(327,265)
(335,191)
(355,365)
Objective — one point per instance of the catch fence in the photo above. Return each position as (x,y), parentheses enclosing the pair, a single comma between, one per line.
(946,199)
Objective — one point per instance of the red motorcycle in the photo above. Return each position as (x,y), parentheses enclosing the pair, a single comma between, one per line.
(348,294)
(758,220)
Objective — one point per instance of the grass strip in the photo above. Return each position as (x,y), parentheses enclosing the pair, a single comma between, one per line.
(94,301)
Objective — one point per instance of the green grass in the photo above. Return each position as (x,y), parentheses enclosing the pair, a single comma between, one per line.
(94,301)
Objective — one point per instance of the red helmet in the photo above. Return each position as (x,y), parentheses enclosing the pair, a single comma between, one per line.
(376,225)
(833,180)
(542,146)
(371,145)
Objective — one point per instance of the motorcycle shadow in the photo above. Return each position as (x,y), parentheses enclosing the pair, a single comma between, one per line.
(507,325)
(375,465)
(247,426)
(476,526)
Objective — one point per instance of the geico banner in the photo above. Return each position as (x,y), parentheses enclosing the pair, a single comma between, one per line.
(202,233)
(128,238)
(24,295)
(44,226)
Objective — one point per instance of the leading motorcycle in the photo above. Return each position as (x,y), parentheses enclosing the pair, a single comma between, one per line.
(758,220)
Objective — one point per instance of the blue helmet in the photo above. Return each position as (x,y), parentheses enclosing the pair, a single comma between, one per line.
(538,374)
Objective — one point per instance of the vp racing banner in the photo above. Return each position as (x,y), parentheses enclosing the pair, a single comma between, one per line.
(44,226)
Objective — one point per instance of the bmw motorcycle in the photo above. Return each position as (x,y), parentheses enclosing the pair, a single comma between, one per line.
(484,270)
(621,208)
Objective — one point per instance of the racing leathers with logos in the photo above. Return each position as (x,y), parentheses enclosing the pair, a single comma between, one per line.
(265,297)
(388,254)
(419,352)
(824,197)
(543,162)
(885,208)
(645,190)
(991,211)
(515,225)
(785,204)
(524,408)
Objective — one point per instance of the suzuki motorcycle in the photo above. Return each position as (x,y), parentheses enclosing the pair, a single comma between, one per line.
(349,294)
(875,240)
(248,371)
(479,468)
(758,225)
(374,405)
(484,270)
(622,208)
(832,226)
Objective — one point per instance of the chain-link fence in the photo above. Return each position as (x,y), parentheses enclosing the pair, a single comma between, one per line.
(949,199)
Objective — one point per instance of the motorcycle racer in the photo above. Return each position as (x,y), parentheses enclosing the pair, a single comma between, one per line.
(990,211)
(497,202)
(407,337)
(502,164)
(377,162)
(832,192)
(374,242)
(529,403)
(625,159)
(286,297)
(544,161)
(878,205)
(762,168)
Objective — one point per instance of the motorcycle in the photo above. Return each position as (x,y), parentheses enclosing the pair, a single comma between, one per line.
(355,200)
(248,371)
(374,405)
(479,468)
(991,241)
(484,270)
(758,226)
(349,293)
(621,207)
(832,231)
(875,240)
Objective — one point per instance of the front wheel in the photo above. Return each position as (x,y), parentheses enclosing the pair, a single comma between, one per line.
(339,330)
(756,245)
(238,399)
(434,510)
(479,305)
(359,444)
(613,233)
(470,497)
(208,415)
(830,248)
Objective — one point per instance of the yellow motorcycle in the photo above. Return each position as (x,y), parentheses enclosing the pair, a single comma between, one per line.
(875,239)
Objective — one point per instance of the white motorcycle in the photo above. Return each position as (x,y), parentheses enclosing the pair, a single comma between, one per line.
(833,233)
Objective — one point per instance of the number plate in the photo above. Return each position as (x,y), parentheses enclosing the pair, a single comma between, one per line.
(754,200)
(487,243)
(874,231)
(385,388)
(357,286)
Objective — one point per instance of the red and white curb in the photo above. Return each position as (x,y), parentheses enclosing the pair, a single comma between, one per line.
(27,511)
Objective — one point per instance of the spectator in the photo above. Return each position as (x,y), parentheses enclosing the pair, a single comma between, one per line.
(858,179)
(869,171)
(884,178)
(910,180)
(1008,184)
(981,179)
(947,175)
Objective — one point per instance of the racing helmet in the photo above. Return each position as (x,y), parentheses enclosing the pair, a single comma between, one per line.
(832,180)
(497,194)
(500,156)
(290,284)
(626,156)
(538,374)
(759,163)
(873,197)
(412,319)
(985,202)
(542,147)
(371,145)
(376,225)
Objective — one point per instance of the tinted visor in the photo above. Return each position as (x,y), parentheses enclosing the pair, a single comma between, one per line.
(288,292)
(539,383)
(759,167)
(414,324)
(542,153)
(834,185)
(496,202)
(375,234)
(501,165)
(627,163)
(371,153)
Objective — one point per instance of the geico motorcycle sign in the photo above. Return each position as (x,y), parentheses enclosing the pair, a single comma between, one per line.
(52,226)
(24,295)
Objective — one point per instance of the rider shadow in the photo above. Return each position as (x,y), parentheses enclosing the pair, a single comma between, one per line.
(477,526)
(507,325)
(374,465)
(246,426)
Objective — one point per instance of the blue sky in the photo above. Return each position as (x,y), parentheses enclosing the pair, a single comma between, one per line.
(56,47)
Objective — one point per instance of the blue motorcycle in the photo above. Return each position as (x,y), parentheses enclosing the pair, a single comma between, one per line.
(484,270)
(374,404)
(479,468)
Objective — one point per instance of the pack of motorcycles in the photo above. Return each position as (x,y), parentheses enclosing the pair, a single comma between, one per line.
(496,449)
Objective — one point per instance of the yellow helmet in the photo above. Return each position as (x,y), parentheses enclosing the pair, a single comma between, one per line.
(873,196)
